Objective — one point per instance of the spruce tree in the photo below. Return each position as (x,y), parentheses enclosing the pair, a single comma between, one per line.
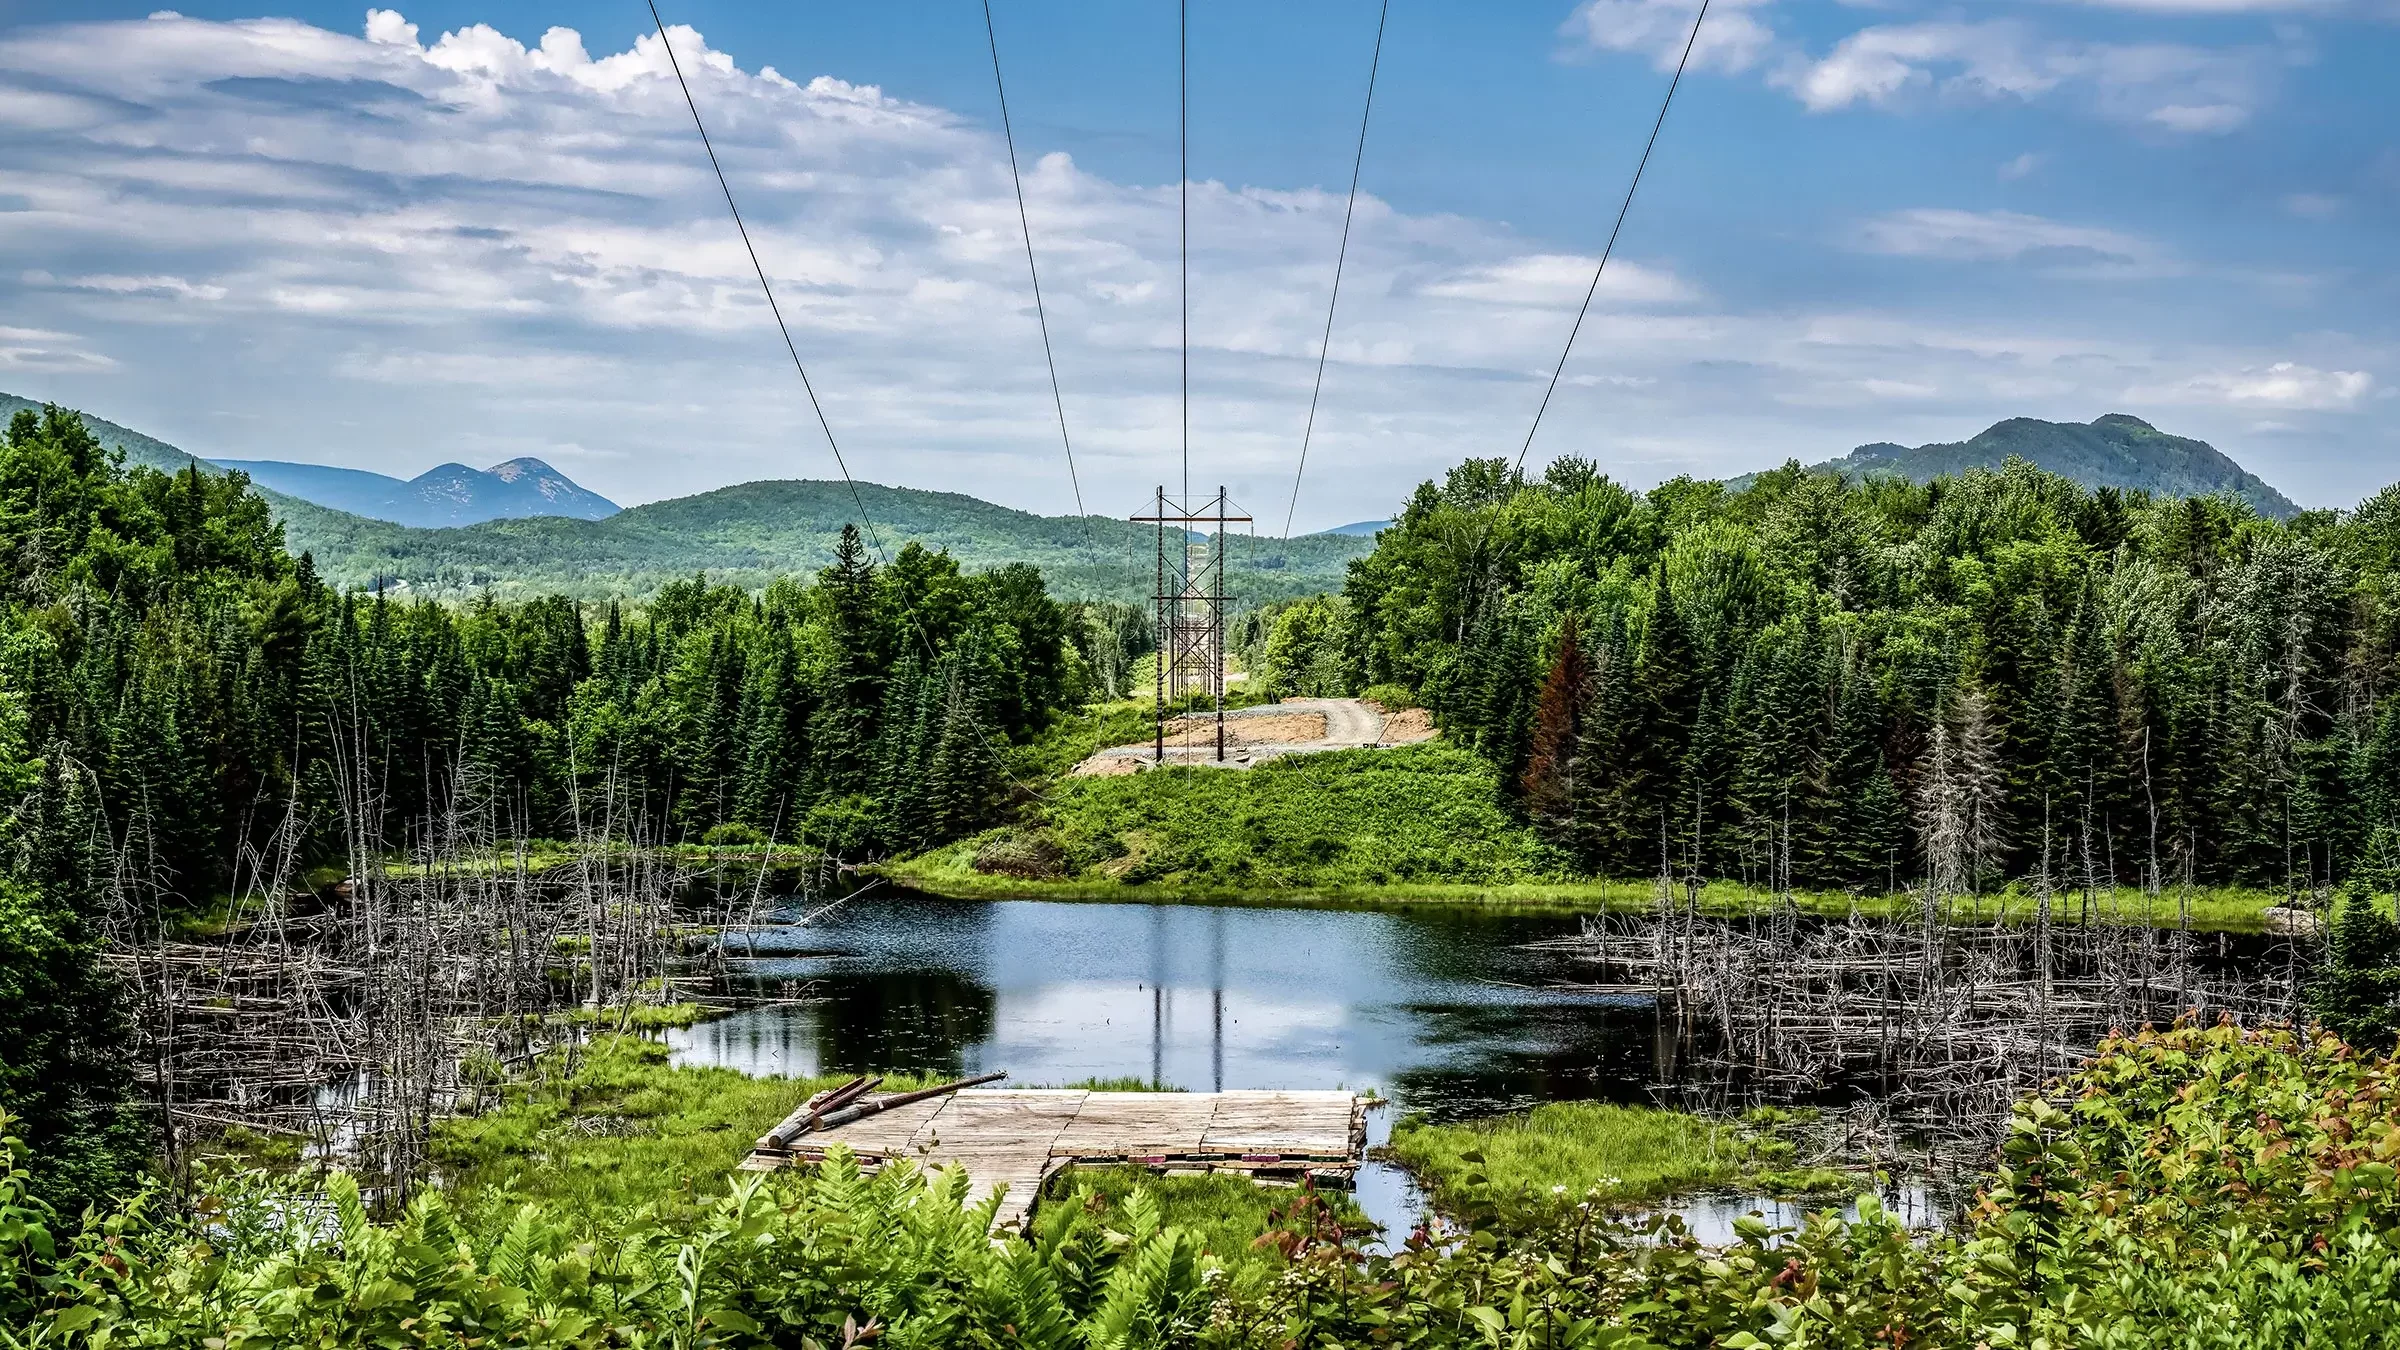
(1551,767)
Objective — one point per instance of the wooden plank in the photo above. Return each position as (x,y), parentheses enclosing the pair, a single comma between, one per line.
(1137,1123)
(1010,1139)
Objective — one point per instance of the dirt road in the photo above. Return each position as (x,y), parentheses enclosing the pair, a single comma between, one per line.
(1349,724)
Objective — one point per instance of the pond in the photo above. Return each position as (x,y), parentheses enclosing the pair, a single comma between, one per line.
(1443,1011)
(1455,1012)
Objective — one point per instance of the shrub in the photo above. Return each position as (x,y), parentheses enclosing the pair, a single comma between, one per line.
(1035,855)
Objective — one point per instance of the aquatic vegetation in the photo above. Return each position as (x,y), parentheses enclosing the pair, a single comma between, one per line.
(1561,1154)
(2199,1188)
(612,1128)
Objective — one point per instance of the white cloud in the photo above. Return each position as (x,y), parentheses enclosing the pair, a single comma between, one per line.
(2181,89)
(2020,167)
(42,350)
(2285,384)
(1734,38)
(2313,205)
(1558,281)
(2216,6)
(2009,236)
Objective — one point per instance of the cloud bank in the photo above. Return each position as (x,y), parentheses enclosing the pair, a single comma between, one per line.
(385,249)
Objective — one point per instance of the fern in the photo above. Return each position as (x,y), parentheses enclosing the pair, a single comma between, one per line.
(1022,1303)
(512,1259)
(1153,1297)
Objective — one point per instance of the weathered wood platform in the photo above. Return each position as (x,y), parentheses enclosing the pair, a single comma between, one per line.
(1017,1137)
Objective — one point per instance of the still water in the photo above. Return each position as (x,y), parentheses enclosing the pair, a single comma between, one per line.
(1455,1013)
(1444,1011)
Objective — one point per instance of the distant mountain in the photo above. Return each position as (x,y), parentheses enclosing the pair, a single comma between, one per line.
(1366,528)
(448,494)
(753,532)
(2112,451)
(748,534)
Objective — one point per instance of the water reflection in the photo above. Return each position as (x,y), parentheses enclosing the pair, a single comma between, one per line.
(1445,1011)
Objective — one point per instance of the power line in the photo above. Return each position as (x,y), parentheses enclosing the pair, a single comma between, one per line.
(992,38)
(1183,144)
(1325,345)
(1627,205)
(856,498)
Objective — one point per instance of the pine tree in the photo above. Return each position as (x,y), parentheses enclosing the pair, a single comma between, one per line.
(65,1073)
(842,729)
(1551,769)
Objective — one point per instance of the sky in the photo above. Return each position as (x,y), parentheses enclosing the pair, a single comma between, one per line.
(477,229)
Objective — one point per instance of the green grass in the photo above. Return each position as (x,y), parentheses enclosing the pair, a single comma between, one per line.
(1227,1214)
(615,1129)
(1561,1153)
(1417,824)
(1351,817)
(946,872)
(1076,736)
(533,856)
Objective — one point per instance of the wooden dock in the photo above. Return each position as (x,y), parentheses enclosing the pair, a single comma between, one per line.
(1017,1137)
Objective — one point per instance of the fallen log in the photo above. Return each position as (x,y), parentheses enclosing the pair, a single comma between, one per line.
(790,1125)
(863,1109)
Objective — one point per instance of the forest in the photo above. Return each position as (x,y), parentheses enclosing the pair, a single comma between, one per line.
(224,707)
(1827,684)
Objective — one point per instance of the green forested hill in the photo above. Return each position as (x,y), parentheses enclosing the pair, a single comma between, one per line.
(2112,451)
(748,534)
(752,532)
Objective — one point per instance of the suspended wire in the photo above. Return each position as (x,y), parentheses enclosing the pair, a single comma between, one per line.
(1183,144)
(1622,209)
(856,498)
(992,38)
(1341,254)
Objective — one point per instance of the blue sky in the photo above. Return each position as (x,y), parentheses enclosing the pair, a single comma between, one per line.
(394,242)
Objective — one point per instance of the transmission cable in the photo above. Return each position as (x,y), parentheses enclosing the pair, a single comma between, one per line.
(856,498)
(780,326)
(1183,215)
(992,39)
(1622,209)
(1341,254)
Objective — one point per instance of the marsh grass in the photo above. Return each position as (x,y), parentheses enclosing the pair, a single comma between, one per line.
(614,1127)
(946,872)
(1527,1165)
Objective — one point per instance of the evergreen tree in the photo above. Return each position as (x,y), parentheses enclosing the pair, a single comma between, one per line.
(64,1066)
(841,731)
(1551,769)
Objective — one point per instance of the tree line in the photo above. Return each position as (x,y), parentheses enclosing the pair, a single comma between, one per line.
(222,706)
(187,713)
(1827,683)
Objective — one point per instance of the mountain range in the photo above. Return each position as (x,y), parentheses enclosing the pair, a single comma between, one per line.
(445,495)
(752,532)
(2112,451)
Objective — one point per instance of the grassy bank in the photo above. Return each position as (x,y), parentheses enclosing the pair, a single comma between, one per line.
(1517,1168)
(1409,814)
(950,872)
(613,1128)
(1416,824)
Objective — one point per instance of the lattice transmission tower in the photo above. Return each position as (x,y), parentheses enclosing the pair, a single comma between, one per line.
(1191,609)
